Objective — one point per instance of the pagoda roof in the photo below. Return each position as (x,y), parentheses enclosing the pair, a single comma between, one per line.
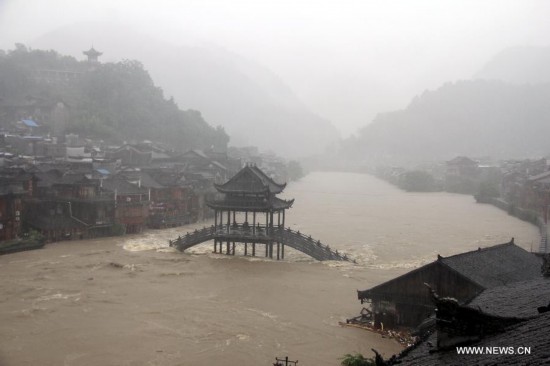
(251,204)
(92,52)
(250,179)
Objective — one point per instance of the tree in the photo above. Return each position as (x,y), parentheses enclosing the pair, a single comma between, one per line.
(416,181)
(356,360)
(112,101)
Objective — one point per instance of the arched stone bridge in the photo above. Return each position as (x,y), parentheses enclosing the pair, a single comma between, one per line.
(239,233)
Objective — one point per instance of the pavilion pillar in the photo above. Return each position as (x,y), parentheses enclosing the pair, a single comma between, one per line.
(253,249)
(266,221)
(233,251)
(246,216)
(278,218)
(228,220)
(271,250)
(227,248)
(234,217)
(278,250)
(284,218)
(282,251)
(254,223)
(215,245)
(266,250)
(215,218)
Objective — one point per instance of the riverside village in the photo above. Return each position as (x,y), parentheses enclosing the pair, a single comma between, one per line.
(67,191)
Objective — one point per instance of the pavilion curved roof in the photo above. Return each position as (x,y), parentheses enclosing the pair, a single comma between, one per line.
(250,179)
(92,52)
(253,204)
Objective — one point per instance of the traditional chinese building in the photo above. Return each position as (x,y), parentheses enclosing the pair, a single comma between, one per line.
(10,211)
(93,55)
(131,204)
(403,301)
(248,211)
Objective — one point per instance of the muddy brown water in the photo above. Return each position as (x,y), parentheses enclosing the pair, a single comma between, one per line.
(133,301)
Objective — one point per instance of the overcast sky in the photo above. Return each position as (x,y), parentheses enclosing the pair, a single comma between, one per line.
(347,60)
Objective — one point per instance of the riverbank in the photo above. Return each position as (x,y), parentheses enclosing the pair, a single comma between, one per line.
(525,215)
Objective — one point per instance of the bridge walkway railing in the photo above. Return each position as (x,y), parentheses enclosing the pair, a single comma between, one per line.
(294,239)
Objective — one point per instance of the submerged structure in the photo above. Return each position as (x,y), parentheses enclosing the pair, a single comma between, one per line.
(247,211)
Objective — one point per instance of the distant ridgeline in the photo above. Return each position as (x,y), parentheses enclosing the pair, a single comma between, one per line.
(112,101)
(484,118)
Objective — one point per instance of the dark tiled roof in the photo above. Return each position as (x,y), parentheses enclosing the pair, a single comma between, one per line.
(148,182)
(516,299)
(250,179)
(532,333)
(73,178)
(48,178)
(383,287)
(510,311)
(196,152)
(219,165)
(496,265)
(168,178)
(122,186)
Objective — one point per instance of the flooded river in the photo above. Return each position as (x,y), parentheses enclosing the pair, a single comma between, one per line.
(133,301)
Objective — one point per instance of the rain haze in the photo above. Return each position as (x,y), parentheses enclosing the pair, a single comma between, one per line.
(345,60)
(208,182)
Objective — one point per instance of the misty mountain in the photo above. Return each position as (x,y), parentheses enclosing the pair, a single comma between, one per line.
(253,105)
(473,118)
(519,65)
(110,101)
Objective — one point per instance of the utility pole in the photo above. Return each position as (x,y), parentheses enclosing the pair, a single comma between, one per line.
(279,362)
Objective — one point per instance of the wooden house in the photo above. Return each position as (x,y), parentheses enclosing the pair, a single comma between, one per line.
(168,193)
(537,194)
(462,175)
(10,211)
(132,155)
(68,205)
(131,203)
(404,301)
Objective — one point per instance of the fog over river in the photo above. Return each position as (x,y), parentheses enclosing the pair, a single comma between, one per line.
(133,301)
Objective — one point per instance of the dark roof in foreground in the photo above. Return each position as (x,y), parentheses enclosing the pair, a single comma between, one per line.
(516,299)
(531,333)
(495,325)
(487,267)
(497,265)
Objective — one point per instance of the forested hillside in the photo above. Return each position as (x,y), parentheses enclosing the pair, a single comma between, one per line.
(252,103)
(473,118)
(112,101)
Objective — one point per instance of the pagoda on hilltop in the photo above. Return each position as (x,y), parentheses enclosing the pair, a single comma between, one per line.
(93,55)
(246,212)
